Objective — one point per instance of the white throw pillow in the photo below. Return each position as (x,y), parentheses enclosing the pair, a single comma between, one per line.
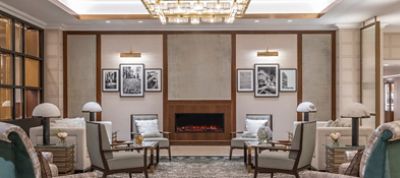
(148,128)
(252,125)
(248,134)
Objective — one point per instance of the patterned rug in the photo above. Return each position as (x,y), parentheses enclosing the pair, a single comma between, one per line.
(200,167)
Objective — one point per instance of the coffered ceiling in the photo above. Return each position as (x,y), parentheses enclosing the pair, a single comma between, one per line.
(260,15)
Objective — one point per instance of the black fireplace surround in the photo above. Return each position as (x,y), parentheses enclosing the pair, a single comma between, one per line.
(199,123)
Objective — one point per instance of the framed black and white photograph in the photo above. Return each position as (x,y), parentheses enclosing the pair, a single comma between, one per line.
(288,80)
(266,80)
(245,80)
(153,81)
(110,80)
(132,79)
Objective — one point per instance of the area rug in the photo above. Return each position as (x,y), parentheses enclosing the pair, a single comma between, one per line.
(200,167)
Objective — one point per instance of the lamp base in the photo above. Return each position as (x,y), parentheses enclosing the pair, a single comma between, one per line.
(46,131)
(354,131)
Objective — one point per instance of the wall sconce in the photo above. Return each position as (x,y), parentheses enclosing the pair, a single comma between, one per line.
(130,54)
(267,53)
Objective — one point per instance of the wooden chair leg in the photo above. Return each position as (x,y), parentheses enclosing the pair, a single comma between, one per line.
(230,153)
(297,175)
(146,175)
(272,175)
(104,175)
(169,153)
(255,173)
(130,175)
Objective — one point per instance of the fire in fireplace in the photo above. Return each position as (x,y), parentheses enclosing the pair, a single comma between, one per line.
(199,123)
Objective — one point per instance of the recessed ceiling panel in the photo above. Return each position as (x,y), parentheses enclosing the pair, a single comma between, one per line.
(93,7)
(288,6)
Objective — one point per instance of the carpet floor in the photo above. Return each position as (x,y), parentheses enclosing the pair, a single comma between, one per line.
(200,167)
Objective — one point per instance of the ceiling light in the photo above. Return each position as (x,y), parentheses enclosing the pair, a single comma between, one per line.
(290,21)
(183,11)
(130,54)
(107,21)
(267,53)
(140,21)
(256,21)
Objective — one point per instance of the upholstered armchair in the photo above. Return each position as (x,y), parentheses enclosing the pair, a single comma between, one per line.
(19,159)
(147,125)
(252,123)
(114,160)
(380,158)
(288,160)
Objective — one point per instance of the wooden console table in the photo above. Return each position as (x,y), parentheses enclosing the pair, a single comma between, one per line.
(63,157)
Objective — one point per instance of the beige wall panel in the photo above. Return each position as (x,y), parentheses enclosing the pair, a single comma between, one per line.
(283,108)
(118,109)
(81,72)
(199,67)
(317,74)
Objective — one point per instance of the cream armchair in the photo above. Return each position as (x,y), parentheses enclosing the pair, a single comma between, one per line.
(114,160)
(238,138)
(76,135)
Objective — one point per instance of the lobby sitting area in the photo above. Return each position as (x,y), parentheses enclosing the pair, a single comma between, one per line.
(199,88)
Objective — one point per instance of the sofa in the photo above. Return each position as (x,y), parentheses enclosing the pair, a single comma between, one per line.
(323,138)
(76,135)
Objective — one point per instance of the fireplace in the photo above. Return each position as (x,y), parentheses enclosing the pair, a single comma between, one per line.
(199,123)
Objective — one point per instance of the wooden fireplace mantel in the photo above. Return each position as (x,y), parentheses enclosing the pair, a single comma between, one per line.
(191,106)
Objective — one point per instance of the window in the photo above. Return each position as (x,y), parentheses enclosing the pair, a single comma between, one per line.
(21,67)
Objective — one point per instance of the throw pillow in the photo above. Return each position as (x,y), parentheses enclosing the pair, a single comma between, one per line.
(354,167)
(147,128)
(44,166)
(252,125)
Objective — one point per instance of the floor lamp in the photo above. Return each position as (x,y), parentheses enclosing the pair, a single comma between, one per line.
(306,107)
(45,111)
(355,111)
(92,108)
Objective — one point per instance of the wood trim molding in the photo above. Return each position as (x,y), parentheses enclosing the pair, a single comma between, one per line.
(165,80)
(233,82)
(65,74)
(299,73)
(98,74)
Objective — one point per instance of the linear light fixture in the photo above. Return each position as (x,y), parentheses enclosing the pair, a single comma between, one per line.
(130,54)
(267,53)
(196,11)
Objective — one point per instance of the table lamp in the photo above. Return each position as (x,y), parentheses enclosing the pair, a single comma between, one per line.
(92,108)
(355,111)
(46,111)
(306,107)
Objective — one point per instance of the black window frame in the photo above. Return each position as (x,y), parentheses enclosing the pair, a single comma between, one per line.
(14,55)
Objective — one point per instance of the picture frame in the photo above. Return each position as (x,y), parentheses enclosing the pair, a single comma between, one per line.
(153,80)
(131,80)
(245,80)
(110,80)
(288,80)
(266,82)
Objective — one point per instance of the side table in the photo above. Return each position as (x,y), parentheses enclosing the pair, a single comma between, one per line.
(336,155)
(63,157)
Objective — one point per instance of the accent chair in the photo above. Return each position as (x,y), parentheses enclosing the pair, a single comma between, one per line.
(114,160)
(19,159)
(291,160)
(147,125)
(238,138)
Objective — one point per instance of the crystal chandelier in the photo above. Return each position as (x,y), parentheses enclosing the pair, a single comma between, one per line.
(196,11)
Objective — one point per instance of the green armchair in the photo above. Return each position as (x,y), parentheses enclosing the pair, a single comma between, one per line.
(19,159)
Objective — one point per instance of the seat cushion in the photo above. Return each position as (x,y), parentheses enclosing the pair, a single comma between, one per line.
(275,160)
(238,142)
(163,142)
(127,159)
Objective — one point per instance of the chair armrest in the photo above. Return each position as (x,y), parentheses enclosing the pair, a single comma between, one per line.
(234,134)
(315,174)
(274,148)
(48,156)
(82,175)
(126,148)
(165,134)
